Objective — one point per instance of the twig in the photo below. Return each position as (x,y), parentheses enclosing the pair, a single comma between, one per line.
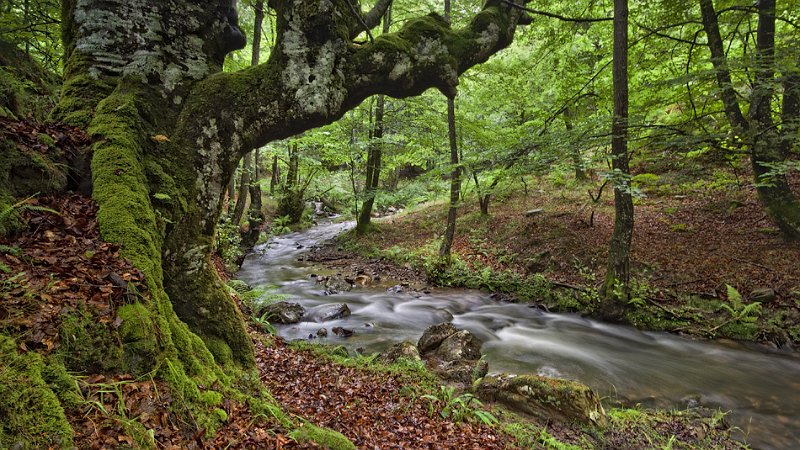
(755,264)
(567,286)
(557,16)
(361,20)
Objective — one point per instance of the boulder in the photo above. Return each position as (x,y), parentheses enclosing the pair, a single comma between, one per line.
(403,349)
(281,312)
(763,295)
(363,280)
(335,284)
(322,332)
(343,332)
(463,371)
(544,398)
(324,313)
(435,335)
(461,345)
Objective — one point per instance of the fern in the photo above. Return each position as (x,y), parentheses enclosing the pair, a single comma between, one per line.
(740,311)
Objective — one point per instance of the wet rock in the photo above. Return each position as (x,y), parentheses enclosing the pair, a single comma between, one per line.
(343,332)
(281,312)
(544,398)
(434,335)
(335,284)
(396,289)
(324,313)
(403,349)
(462,371)
(363,280)
(322,332)
(459,346)
(763,295)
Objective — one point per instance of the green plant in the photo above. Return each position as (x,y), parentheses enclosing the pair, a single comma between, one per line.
(740,311)
(10,214)
(280,225)
(227,242)
(458,407)
(263,323)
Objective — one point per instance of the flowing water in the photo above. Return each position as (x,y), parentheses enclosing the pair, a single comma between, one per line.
(760,388)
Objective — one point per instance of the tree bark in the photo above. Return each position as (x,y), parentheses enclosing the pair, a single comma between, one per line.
(275,177)
(616,287)
(140,68)
(455,175)
(577,159)
(244,188)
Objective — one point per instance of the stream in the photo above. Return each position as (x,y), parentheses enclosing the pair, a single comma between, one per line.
(760,388)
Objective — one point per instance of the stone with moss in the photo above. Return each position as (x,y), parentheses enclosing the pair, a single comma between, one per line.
(325,438)
(544,398)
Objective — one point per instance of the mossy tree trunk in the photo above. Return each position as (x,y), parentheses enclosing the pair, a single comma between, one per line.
(138,71)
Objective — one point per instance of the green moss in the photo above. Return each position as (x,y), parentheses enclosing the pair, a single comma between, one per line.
(126,216)
(325,438)
(89,346)
(30,414)
(139,334)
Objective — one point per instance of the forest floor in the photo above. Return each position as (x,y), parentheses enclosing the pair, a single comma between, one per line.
(691,241)
(59,265)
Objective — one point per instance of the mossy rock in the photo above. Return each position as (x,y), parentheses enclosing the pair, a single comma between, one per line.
(31,415)
(544,398)
(325,438)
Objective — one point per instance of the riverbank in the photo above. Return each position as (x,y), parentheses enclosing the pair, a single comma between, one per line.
(706,265)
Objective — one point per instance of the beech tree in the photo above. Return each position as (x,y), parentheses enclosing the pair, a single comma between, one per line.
(169,128)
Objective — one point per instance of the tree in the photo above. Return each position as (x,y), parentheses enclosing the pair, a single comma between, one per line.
(768,145)
(618,271)
(455,174)
(374,153)
(145,69)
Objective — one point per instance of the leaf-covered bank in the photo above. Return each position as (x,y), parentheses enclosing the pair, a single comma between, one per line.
(705,264)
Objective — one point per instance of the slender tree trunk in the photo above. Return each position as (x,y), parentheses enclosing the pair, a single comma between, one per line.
(455,177)
(615,289)
(483,197)
(723,73)
(294,160)
(374,154)
(275,177)
(577,159)
(244,186)
(255,216)
(231,189)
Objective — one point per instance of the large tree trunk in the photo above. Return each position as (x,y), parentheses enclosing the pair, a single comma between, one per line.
(616,285)
(766,143)
(139,69)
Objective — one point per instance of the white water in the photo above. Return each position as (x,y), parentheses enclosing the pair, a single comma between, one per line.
(760,388)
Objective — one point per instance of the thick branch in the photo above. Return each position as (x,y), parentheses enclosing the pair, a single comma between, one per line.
(373,18)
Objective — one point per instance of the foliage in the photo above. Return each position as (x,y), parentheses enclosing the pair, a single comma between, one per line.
(227,243)
(458,407)
(740,311)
